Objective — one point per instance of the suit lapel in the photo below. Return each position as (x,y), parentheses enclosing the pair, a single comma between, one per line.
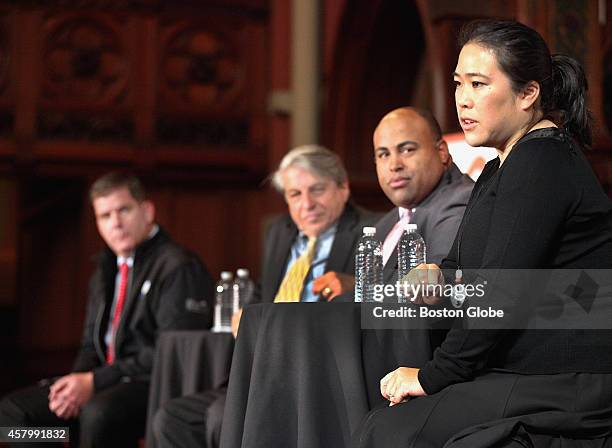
(344,242)
(280,255)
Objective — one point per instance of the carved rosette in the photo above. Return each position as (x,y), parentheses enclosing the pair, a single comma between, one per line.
(200,67)
(84,61)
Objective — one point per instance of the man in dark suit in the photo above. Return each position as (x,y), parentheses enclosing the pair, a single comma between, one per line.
(140,287)
(416,172)
(315,186)
(323,227)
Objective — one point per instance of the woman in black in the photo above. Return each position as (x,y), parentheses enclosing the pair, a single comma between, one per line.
(537,206)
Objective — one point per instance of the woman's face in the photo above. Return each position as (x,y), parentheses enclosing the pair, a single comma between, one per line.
(488,109)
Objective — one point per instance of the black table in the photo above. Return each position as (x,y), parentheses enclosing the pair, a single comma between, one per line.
(187,362)
(304,375)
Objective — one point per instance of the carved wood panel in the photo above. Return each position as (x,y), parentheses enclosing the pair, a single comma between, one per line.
(201,66)
(169,84)
(85,85)
(84,61)
(205,81)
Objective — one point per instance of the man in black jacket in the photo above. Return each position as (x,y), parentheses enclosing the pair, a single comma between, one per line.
(142,285)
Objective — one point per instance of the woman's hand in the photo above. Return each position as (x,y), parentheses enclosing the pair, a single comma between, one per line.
(399,385)
(419,284)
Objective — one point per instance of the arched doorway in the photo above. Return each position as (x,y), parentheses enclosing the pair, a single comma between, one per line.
(379,64)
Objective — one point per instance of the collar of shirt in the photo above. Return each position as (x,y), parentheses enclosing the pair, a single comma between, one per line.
(130,258)
(403,211)
(153,231)
(319,261)
(302,240)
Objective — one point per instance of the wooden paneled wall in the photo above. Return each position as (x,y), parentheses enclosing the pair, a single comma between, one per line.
(176,91)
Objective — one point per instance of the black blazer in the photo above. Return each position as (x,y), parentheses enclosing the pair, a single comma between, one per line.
(165,276)
(281,236)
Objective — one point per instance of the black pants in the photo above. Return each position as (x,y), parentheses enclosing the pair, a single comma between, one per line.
(114,417)
(499,410)
(192,421)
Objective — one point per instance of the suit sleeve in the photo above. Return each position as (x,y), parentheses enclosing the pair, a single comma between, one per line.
(263,285)
(165,309)
(531,205)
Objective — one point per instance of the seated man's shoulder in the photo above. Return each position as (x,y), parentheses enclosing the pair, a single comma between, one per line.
(363,217)
(457,191)
(171,254)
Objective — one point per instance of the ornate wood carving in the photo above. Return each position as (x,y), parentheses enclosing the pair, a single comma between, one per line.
(93,127)
(201,66)
(184,73)
(84,61)
(203,72)
(85,82)
(180,130)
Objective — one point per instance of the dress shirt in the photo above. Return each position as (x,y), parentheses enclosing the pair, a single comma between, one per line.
(108,336)
(317,268)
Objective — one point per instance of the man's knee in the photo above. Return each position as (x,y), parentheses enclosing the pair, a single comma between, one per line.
(162,421)
(25,407)
(11,414)
(97,418)
(214,419)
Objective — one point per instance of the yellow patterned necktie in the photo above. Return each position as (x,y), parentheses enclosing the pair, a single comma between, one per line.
(290,289)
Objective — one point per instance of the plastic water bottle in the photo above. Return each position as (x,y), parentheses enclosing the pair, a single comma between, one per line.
(368,266)
(411,252)
(223,304)
(242,289)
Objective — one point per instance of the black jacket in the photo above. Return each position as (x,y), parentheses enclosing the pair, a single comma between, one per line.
(166,278)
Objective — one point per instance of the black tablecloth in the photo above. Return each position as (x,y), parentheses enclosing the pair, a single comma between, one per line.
(187,362)
(304,375)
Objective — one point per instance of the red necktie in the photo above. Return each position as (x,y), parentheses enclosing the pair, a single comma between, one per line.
(123,280)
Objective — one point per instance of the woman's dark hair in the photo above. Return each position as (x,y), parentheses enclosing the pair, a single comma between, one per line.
(524,56)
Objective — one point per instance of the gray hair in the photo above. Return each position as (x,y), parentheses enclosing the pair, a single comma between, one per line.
(316,159)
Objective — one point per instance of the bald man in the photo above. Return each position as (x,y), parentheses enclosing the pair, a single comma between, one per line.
(417,173)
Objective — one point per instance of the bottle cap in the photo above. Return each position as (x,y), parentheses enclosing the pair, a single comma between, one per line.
(226,275)
(411,226)
(242,272)
(369,231)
